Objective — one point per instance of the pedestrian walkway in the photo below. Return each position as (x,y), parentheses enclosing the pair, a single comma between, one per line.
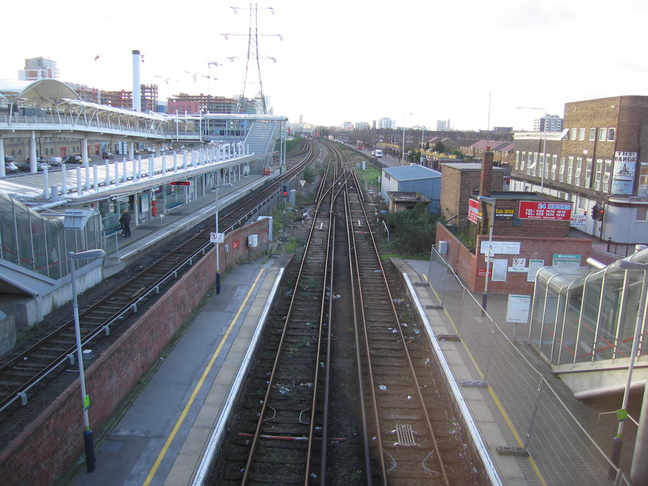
(534,429)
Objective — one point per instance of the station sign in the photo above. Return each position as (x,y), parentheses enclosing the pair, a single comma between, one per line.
(552,211)
(180,183)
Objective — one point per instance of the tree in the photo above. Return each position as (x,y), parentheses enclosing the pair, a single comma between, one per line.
(412,231)
(439,147)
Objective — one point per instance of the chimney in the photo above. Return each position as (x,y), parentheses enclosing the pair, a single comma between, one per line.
(137,87)
(486,178)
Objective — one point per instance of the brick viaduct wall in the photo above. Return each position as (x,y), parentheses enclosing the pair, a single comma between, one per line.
(51,445)
(470,266)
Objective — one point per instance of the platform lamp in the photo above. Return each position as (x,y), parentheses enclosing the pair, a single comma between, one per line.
(218,276)
(491,201)
(85,399)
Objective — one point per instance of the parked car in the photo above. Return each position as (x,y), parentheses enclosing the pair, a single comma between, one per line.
(10,165)
(72,159)
(56,161)
(107,155)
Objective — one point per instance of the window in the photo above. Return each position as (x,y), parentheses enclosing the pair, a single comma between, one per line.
(570,169)
(581,134)
(642,190)
(561,177)
(579,168)
(573,133)
(599,175)
(611,133)
(607,174)
(522,161)
(517,160)
(602,134)
(588,173)
(554,168)
(642,215)
(592,134)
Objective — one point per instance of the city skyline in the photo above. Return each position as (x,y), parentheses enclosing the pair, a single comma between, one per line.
(473,63)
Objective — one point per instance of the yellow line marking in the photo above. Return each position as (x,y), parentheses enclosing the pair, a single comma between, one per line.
(490,390)
(199,385)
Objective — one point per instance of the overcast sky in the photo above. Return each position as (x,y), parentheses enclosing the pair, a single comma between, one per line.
(469,61)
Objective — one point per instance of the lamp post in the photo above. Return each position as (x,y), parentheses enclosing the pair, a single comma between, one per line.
(492,201)
(544,142)
(218,238)
(615,456)
(85,399)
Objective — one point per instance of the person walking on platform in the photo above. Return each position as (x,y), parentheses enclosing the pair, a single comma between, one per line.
(125,223)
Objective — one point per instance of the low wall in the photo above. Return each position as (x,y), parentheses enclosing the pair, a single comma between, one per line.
(471,267)
(51,445)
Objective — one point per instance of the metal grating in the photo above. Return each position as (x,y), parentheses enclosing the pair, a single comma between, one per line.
(405,435)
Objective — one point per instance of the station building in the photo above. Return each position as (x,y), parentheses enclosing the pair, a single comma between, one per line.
(48,213)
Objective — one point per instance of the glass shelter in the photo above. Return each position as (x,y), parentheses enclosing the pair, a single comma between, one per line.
(583,315)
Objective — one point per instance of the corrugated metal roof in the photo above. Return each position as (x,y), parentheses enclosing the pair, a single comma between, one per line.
(411,172)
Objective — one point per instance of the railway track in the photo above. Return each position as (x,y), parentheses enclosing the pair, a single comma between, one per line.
(343,390)
(29,371)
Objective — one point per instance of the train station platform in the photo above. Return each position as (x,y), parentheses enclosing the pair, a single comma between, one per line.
(533,430)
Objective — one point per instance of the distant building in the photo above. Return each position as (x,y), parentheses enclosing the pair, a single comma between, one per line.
(38,68)
(386,123)
(196,104)
(443,125)
(554,123)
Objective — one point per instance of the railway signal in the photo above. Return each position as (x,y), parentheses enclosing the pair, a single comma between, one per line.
(284,190)
(595,212)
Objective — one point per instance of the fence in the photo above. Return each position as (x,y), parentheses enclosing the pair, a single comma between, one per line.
(542,419)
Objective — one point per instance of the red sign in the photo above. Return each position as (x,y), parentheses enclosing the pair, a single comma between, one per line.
(474,214)
(554,211)
(235,244)
(180,183)
(481,272)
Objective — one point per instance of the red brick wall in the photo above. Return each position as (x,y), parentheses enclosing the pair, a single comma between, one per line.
(51,445)
(467,265)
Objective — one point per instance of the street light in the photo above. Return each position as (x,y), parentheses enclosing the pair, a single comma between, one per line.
(615,456)
(544,142)
(85,399)
(404,122)
(217,239)
(491,201)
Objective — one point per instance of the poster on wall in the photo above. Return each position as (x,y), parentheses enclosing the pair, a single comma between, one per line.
(534,266)
(623,174)
(500,266)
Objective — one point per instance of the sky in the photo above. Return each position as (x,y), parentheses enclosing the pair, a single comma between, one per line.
(478,64)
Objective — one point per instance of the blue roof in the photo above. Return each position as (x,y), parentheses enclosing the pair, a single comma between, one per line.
(411,172)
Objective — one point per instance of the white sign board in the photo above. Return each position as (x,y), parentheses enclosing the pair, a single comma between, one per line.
(216,237)
(517,308)
(501,247)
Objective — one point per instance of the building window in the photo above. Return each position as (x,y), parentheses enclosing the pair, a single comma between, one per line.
(642,215)
(642,190)
(602,134)
(573,133)
(554,168)
(598,178)
(561,176)
(570,170)
(517,160)
(592,134)
(611,133)
(522,161)
(588,173)
(607,174)
(579,169)
(581,134)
